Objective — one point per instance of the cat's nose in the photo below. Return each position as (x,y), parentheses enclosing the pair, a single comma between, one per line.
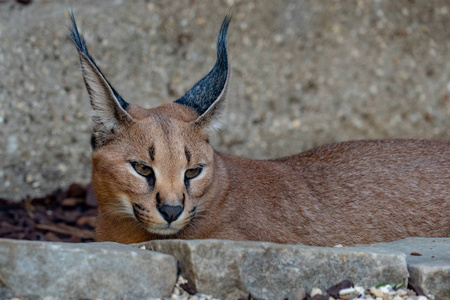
(170,212)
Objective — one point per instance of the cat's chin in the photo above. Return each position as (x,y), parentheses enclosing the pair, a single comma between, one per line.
(163,231)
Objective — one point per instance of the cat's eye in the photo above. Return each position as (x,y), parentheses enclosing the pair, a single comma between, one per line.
(192,173)
(142,169)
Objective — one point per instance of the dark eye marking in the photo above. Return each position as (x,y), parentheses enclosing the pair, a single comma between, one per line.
(188,154)
(151,151)
(146,172)
(191,173)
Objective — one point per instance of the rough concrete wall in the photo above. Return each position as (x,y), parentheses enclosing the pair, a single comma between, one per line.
(305,73)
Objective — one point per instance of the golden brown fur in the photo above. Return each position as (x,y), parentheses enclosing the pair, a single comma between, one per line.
(347,193)
(156,176)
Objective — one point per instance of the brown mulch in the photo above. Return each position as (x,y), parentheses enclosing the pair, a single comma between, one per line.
(63,216)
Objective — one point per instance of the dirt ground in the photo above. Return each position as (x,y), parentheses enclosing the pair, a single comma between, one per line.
(304,73)
(62,216)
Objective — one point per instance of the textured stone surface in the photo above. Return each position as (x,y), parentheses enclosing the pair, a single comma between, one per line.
(428,262)
(228,269)
(304,73)
(83,271)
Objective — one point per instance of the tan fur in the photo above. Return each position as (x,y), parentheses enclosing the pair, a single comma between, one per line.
(346,193)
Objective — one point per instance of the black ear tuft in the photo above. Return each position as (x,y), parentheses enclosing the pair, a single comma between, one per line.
(208,90)
(76,37)
(109,109)
(80,44)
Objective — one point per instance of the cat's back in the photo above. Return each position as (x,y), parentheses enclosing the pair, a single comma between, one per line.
(402,185)
(386,167)
(384,153)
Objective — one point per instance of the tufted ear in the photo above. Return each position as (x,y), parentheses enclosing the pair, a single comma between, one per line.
(110,110)
(207,96)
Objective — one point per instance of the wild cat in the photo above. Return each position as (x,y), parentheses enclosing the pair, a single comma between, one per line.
(156,176)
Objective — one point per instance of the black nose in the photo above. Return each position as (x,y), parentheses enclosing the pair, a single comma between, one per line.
(170,213)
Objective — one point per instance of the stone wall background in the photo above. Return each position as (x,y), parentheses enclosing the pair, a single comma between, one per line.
(304,73)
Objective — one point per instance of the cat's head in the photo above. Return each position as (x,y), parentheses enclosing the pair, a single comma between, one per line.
(155,165)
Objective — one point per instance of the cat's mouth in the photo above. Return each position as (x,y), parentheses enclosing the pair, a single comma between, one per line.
(167,230)
(145,220)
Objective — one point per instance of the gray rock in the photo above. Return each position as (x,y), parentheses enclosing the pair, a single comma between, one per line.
(428,262)
(74,271)
(229,269)
(298,294)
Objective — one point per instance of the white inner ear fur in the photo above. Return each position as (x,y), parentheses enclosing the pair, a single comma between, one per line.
(103,100)
(215,110)
(216,121)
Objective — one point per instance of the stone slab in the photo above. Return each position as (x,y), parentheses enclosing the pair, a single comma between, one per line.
(38,270)
(428,261)
(229,269)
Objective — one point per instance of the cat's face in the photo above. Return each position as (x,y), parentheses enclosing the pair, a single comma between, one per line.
(157,170)
(153,167)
